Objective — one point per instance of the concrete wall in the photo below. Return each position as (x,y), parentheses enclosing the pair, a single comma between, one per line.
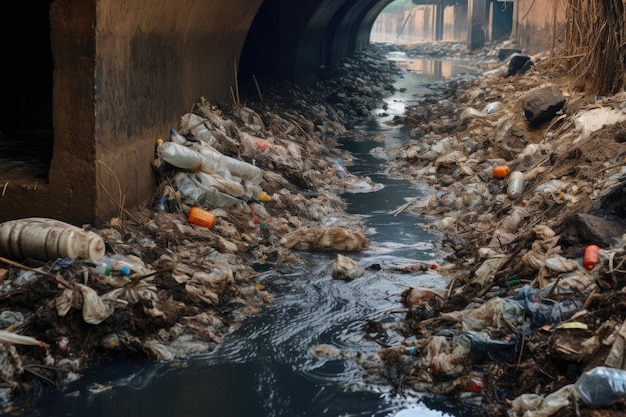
(125,72)
(538,25)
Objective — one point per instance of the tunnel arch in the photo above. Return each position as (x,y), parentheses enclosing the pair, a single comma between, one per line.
(305,36)
(125,71)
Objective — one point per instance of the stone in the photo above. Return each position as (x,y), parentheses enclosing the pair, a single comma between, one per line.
(543,104)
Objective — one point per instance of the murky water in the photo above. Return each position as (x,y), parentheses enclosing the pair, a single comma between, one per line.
(267,367)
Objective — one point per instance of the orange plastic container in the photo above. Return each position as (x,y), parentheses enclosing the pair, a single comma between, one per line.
(590,257)
(501,171)
(201,217)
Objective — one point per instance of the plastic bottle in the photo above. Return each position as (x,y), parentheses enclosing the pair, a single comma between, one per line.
(236,167)
(177,137)
(201,217)
(197,193)
(590,257)
(207,159)
(110,266)
(516,185)
(47,239)
(601,385)
(160,205)
(197,126)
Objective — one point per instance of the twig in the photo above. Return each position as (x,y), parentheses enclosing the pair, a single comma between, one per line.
(38,375)
(120,202)
(258,88)
(58,278)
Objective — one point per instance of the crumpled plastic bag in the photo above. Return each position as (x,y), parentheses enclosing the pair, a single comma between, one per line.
(497,312)
(533,405)
(542,248)
(346,268)
(326,239)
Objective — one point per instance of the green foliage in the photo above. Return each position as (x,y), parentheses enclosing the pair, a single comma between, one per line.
(399,6)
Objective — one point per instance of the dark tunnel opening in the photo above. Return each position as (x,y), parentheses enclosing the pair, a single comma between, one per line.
(26,136)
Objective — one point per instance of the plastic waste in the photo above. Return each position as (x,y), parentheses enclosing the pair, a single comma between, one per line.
(527,405)
(417,295)
(601,385)
(47,239)
(482,346)
(197,126)
(543,311)
(501,171)
(492,107)
(223,184)
(118,264)
(201,217)
(160,205)
(590,256)
(177,137)
(236,167)
(341,171)
(195,192)
(208,160)
(264,197)
(346,268)
(516,185)
(107,267)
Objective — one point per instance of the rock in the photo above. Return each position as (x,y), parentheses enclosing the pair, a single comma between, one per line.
(543,104)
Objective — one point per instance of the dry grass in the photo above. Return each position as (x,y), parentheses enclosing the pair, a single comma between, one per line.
(595,45)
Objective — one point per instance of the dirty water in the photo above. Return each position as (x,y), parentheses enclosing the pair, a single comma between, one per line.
(270,365)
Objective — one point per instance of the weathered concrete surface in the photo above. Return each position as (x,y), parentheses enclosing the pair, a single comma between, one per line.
(124,73)
(538,25)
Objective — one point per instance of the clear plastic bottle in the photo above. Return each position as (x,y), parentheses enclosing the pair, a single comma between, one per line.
(516,185)
(195,192)
(177,137)
(197,126)
(118,264)
(208,160)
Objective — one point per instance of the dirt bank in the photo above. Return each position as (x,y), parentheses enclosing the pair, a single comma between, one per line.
(522,319)
(521,316)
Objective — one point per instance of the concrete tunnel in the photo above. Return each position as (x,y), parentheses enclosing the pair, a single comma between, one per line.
(94,84)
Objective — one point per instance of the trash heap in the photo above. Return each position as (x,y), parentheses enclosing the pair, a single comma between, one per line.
(532,322)
(238,193)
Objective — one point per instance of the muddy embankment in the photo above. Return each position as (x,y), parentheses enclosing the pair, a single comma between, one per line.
(529,174)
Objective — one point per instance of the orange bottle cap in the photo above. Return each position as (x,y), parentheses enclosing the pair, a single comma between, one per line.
(201,217)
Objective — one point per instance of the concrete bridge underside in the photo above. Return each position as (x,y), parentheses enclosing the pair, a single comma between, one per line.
(119,74)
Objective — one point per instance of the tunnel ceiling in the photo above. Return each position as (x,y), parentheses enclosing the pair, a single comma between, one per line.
(292,39)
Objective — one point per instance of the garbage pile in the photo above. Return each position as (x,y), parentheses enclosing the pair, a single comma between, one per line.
(238,193)
(530,179)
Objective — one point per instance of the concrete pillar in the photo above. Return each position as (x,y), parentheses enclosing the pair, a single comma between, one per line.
(476,22)
(439,8)
(460,21)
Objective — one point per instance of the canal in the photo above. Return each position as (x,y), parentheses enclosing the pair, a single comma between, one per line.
(296,358)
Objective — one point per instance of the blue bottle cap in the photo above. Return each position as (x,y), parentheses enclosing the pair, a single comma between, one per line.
(125,270)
